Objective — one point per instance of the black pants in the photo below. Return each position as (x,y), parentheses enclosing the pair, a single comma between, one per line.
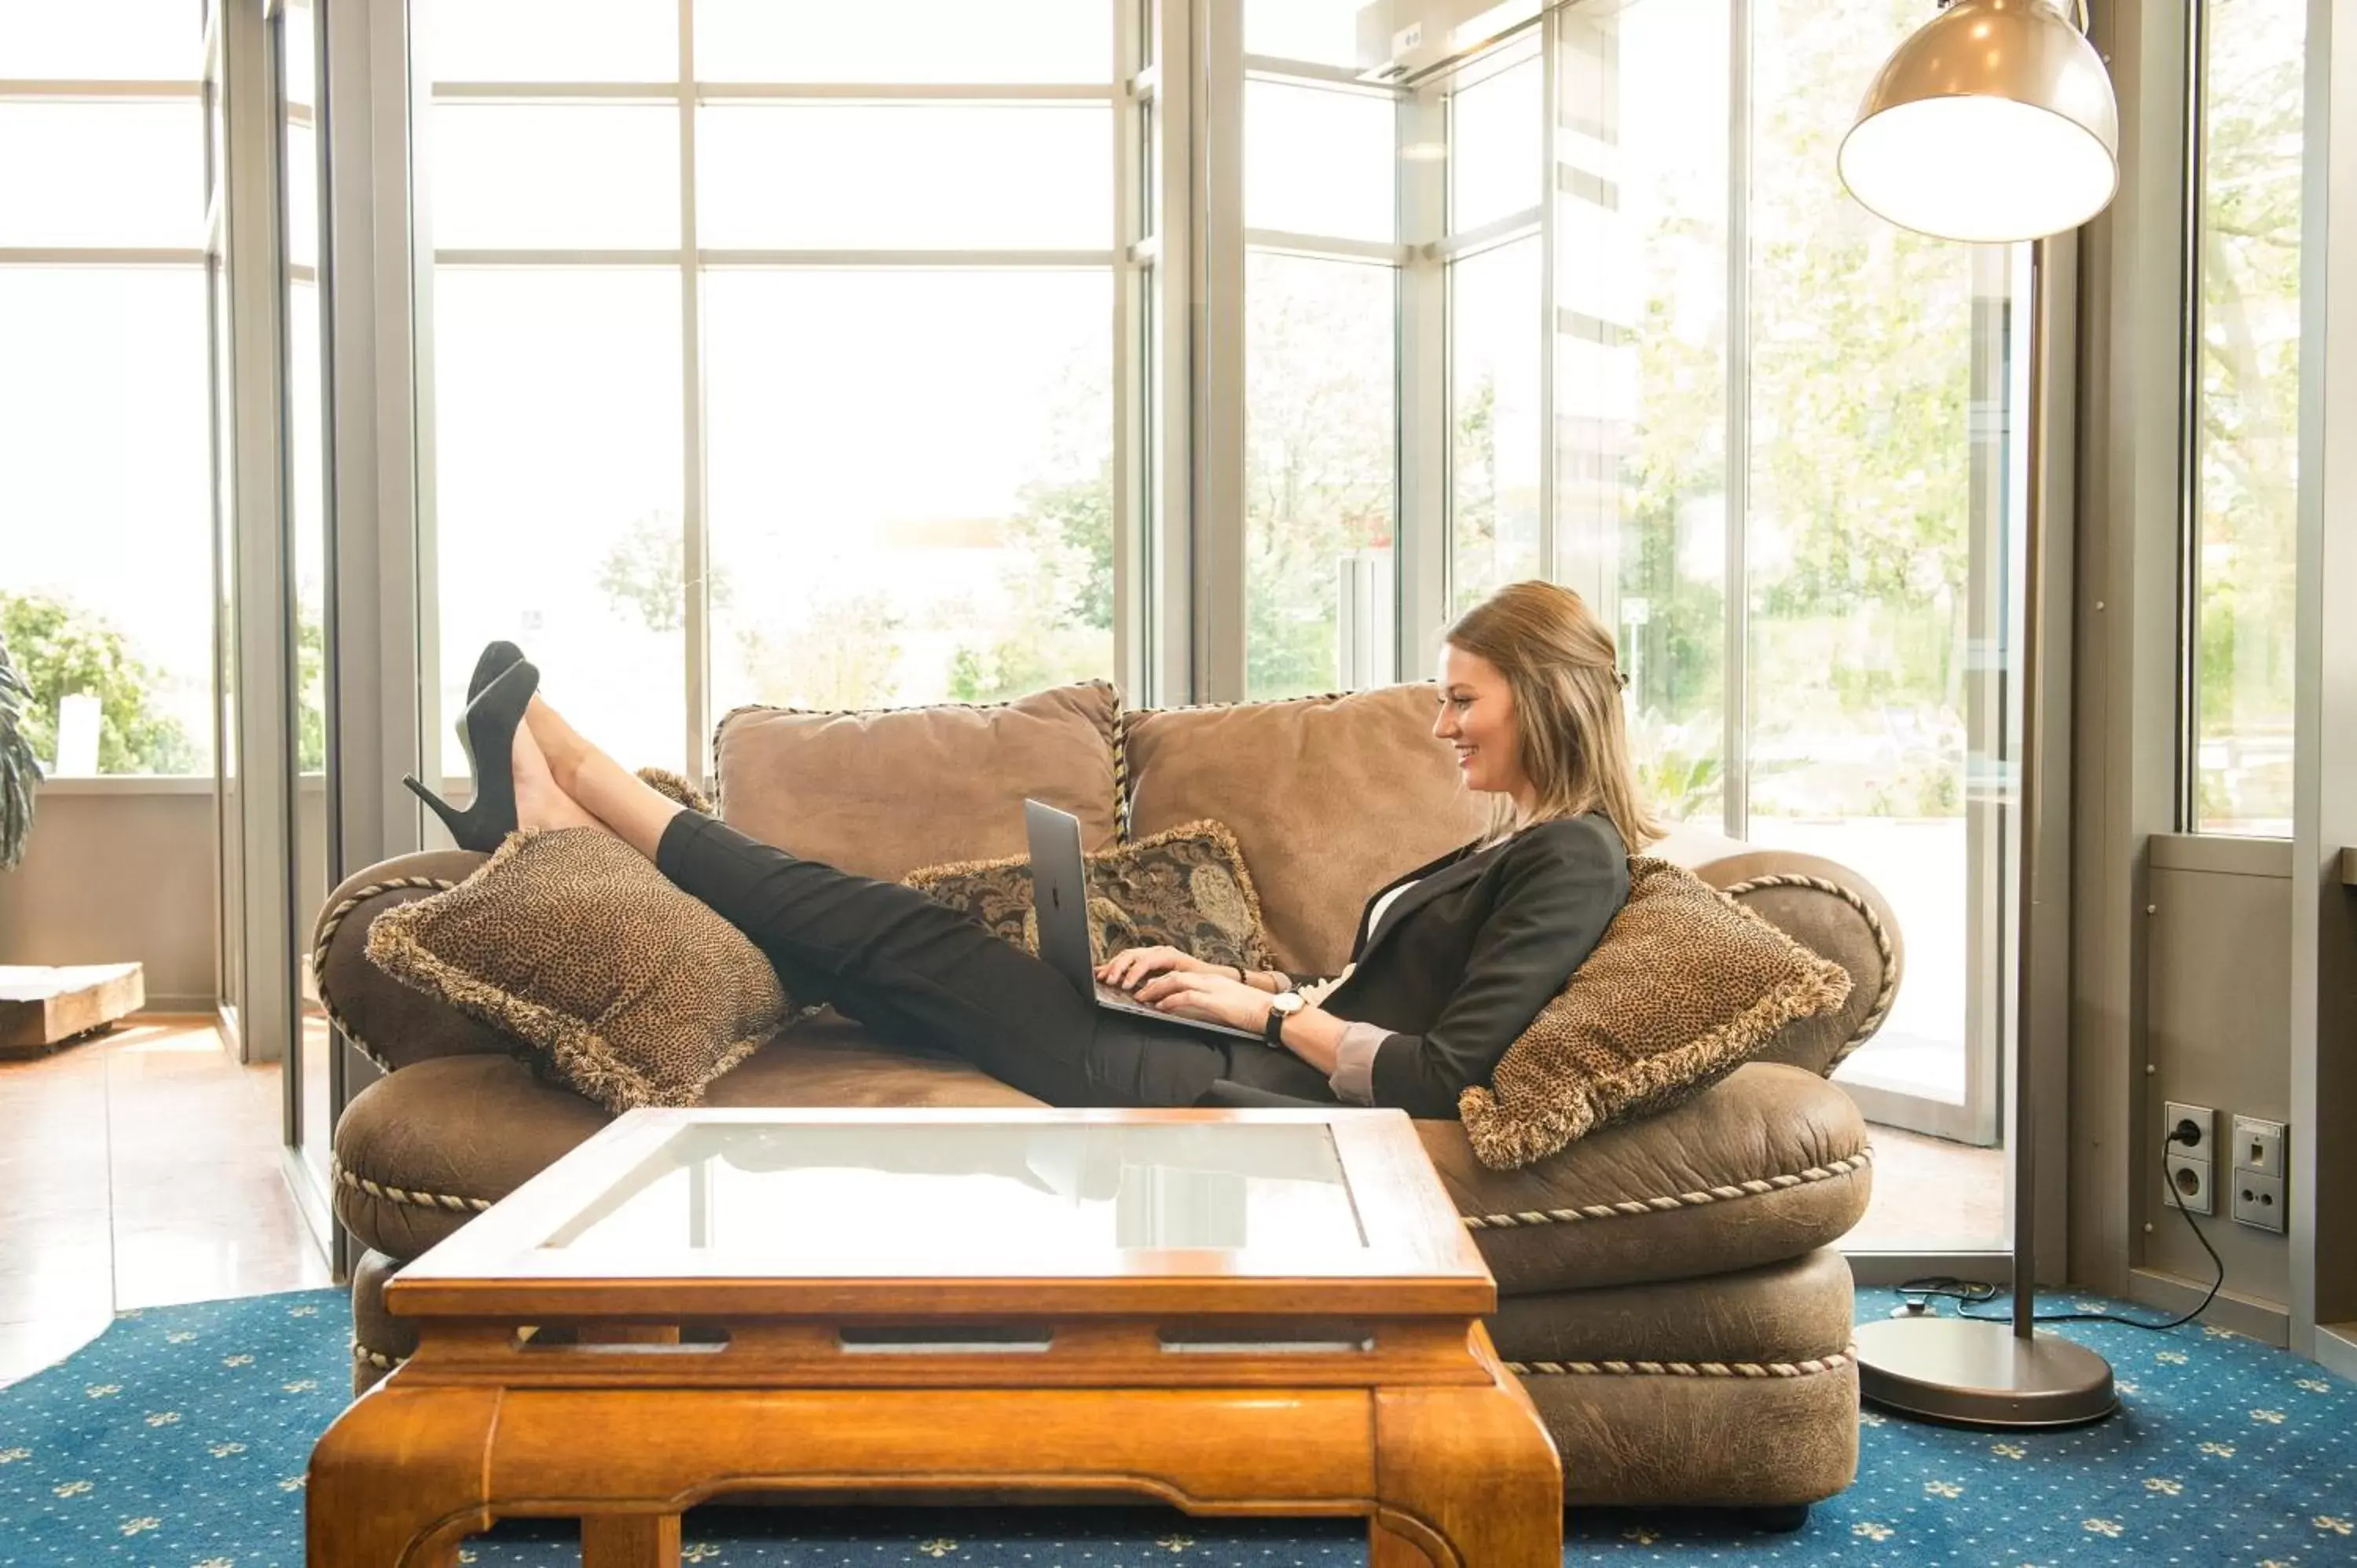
(921,974)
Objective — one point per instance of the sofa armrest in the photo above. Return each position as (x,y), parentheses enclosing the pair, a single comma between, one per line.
(1836,913)
(388,1022)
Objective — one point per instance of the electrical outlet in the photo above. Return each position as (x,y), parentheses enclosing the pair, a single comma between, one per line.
(2204,1145)
(2189,1185)
(2259,1146)
(2259,1201)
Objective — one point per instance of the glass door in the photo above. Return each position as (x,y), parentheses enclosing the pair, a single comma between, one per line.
(1789,449)
(308,552)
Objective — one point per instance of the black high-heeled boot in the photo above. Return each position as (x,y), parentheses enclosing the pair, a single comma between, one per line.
(493,662)
(487,733)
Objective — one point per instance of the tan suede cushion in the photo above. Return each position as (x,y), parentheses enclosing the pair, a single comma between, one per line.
(883,793)
(573,942)
(1687,986)
(1329,797)
(1185,888)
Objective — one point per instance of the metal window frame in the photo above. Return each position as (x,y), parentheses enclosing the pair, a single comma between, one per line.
(1128,85)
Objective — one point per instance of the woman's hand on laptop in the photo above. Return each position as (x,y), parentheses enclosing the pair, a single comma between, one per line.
(1216,996)
(1132,967)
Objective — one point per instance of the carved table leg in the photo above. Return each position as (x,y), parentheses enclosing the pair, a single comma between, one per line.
(1386,1548)
(1467,1478)
(630,1541)
(398,1480)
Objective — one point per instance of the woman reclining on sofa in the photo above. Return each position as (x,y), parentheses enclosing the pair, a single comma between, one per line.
(1452,961)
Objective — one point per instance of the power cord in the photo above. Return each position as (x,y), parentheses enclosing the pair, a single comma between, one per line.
(1973,1293)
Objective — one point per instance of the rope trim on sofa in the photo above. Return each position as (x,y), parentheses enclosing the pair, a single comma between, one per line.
(436,1200)
(376,1359)
(1683,1369)
(333,923)
(1889,990)
(1752,1189)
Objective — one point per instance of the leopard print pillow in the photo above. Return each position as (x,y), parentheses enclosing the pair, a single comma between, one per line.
(628,990)
(1185,887)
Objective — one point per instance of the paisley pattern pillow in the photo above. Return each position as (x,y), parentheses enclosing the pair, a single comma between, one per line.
(1185,887)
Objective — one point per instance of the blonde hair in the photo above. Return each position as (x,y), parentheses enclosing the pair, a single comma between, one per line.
(1569,732)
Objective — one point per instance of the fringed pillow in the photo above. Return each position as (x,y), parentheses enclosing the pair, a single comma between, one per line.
(1185,887)
(1686,986)
(633,993)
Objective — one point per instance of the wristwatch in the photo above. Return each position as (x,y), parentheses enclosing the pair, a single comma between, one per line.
(1281,1006)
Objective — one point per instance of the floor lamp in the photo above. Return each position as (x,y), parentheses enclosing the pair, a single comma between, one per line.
(1993,124)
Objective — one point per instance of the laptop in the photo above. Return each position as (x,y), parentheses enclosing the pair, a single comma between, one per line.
(1060,897)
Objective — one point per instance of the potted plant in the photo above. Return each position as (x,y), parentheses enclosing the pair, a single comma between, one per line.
(19,770)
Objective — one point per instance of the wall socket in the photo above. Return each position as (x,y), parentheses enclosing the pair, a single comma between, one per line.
(2259,1201)
(2258,1174)
(2205,1146)
(2259,1146)
(2190,1166)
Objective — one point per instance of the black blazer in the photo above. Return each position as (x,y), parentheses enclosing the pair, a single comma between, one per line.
(1463,962)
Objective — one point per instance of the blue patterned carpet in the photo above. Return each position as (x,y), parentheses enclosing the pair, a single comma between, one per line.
(179,1439)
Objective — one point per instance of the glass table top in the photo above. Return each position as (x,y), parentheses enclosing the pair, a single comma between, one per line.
(723,1195)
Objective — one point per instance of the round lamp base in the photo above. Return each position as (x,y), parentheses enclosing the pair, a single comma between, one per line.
(1967,1372)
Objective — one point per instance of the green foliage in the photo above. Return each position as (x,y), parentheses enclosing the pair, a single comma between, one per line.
(646,571)
(847,655)
(62,650)
(20,768)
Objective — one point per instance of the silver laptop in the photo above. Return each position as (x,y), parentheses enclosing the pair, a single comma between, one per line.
(1059,897)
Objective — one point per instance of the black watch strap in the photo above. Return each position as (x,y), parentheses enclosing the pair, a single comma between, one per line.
(1273,1031)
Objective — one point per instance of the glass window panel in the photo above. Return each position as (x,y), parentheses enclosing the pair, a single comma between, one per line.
(1884,534)
(104,460)
(909,41)
(547,176)
(120,41)
(1325,31)
(1036,176)
(557,494)
(1640,369)
(1493,426)
(302,195)
(1497,128)
(884,536)
(1318,160)
(1319,459)
(549,40)
(307,462)
(102,174)
(301,55)
(2247,478)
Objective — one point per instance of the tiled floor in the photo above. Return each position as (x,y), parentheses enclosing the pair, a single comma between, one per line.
(143,1169)
(137,1170)
(1932,1196)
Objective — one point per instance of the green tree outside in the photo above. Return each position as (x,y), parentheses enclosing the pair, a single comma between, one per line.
(62,650)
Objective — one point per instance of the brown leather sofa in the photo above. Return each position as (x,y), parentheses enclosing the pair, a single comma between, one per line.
(1669,1289)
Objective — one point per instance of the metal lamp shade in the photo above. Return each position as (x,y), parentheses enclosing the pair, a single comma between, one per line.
(1996,122)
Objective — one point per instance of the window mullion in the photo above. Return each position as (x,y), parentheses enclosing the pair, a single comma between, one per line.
(694,535)
(1217,523)
(1735,681)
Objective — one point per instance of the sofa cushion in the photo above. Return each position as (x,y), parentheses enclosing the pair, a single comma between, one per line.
(1185,887)
(1769,1163)
(882,793)
(1329,797)
(423,1150)
(572,941)
(1785,1313)
(1686,986)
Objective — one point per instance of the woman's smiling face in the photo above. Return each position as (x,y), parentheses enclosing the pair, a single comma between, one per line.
(1477,719)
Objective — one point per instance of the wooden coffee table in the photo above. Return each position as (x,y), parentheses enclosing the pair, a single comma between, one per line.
(1236,1312)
